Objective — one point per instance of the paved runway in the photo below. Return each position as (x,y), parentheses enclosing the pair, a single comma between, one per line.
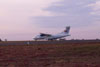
(48,42)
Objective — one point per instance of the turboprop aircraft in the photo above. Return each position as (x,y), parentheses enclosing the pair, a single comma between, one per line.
(43,36)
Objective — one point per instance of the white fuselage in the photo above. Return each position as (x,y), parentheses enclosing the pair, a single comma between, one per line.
(57,36)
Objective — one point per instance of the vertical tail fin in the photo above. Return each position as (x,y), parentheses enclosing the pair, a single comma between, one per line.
(67,29)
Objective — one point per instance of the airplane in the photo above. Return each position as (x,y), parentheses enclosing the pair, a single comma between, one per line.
(43,36)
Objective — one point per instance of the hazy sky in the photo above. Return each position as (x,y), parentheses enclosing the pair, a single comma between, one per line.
(23,19)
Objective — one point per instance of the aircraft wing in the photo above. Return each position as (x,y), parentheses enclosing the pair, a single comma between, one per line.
(43,34)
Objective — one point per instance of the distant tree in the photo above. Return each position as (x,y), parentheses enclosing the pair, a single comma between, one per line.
(5,39)
(72,39)
(83,39)
(97,39)
(0,40)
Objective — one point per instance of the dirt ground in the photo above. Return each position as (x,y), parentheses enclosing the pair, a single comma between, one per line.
(67,54)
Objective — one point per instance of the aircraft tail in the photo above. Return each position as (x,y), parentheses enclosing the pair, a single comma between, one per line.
(67,29)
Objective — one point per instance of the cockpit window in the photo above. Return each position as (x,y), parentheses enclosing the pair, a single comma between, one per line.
(42,34)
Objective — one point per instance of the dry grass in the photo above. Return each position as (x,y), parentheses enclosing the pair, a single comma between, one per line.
(47,55)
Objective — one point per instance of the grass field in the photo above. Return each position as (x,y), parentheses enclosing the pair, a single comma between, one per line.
(50,55)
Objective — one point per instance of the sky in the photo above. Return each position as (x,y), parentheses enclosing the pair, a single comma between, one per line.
(24,19)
